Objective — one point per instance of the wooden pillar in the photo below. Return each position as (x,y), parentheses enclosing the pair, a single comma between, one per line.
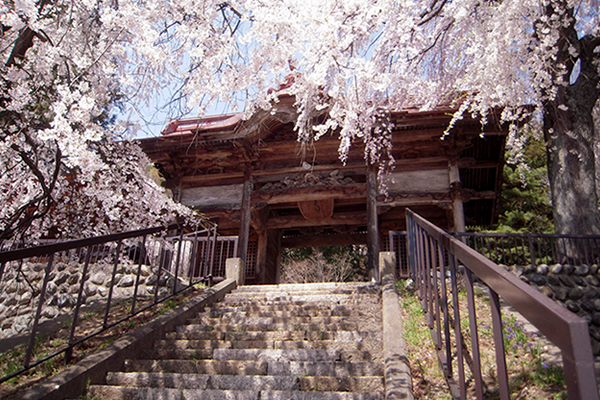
(273,260)
(458,210)
(259,223)
(245,218)
(261,257)
(372,224)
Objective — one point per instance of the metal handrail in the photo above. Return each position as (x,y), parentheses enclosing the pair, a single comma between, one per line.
(114,250)
(534,248)
(433,253)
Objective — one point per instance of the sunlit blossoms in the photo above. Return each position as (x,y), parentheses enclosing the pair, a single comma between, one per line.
(69,67)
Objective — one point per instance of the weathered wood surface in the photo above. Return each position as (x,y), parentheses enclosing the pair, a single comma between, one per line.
(431,181)
(324,240)
(372,225)
(316,209)
(245,219)
(357,191)
(347,218)
(225,197)
(299,188)
(273,259)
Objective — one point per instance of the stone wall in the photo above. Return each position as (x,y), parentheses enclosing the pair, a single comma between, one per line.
(21,286)
(575,287)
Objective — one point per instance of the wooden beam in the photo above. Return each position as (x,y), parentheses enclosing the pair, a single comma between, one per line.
(324,240)
(357,190)
(289,222)
(473,195)
(471,163)
(207,178)
(414,199)
(279,174)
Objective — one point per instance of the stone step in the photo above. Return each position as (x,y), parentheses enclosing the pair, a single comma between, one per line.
(356,290)
(300,290)
(174,344)
(204,367)
(189,333)
(208,354)
(266,326)
(269,342)
(297,307)
(298,395)
(279,355)
(339,369)
(258,354)
(129,393)
(256,311)
(326,286)
(239,382)
(283,295)
(298,299)
(266,320)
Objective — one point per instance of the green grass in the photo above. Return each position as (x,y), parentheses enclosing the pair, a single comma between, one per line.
(414,330)
(106,343)
(524,354)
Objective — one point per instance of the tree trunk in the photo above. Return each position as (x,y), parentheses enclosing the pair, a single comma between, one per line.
(569,135)
(569,138)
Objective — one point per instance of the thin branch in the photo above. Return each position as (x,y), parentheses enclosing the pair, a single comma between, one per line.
(433,14)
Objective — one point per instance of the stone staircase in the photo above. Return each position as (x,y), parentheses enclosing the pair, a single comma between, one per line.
(276,342)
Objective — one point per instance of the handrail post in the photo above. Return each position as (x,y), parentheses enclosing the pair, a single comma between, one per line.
(69,352)
(112,283)
(566,330)
(532,252)
(176,274)
(38,312)
(142,256)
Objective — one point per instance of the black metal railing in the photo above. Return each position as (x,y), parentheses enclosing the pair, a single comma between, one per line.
(435,257)
(166,265)
(534,249)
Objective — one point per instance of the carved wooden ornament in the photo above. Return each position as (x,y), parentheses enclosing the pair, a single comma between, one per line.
(316,209)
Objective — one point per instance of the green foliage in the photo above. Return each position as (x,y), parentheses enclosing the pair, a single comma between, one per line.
(10,362)
(525,204)
(170,304)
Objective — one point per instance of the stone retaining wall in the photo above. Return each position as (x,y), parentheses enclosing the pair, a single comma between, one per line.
(575,287)
(19,292)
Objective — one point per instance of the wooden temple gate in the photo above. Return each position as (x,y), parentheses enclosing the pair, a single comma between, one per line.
(257,182)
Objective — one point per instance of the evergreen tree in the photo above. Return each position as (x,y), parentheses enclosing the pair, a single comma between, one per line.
(525,204)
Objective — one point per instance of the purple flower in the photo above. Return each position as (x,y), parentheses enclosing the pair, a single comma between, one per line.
(545,365)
